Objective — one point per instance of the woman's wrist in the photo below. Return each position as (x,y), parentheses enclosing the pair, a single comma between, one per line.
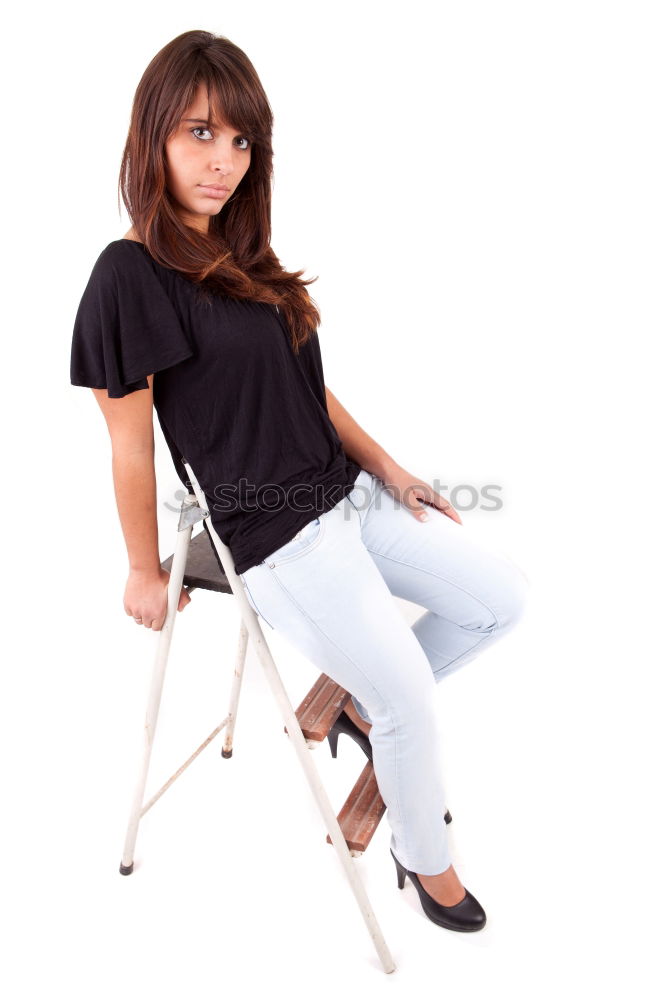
(384,467)
(146,570)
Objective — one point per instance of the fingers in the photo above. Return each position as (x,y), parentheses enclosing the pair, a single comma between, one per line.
(153,624)
(420,514)
(446,508)
(156,624)
(438,503)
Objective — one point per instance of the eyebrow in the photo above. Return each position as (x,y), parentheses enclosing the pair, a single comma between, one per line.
(205,121)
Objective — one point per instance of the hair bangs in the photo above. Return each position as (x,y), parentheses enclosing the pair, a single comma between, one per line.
(231,103)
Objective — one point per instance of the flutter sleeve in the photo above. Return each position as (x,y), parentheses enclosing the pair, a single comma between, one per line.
(126,326)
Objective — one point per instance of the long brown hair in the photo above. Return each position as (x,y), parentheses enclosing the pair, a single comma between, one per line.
(235,256)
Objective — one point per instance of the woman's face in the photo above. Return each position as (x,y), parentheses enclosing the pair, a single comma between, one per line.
(201,157)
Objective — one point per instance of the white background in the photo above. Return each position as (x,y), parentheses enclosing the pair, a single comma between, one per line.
(480,188)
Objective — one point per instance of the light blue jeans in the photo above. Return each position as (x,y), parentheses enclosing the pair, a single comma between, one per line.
(329,592)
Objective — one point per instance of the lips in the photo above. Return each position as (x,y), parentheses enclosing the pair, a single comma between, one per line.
(216,189)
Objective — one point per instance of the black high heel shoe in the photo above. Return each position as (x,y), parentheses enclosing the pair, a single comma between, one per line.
(467,915)
(343,724)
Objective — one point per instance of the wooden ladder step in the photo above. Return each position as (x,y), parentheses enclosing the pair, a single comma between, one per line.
(362,811)
(320,708)
(364,807)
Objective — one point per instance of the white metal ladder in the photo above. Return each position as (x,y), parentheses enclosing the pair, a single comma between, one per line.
(194,509)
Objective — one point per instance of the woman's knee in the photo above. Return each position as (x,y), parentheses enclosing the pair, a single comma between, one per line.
(407,706)
(513,598)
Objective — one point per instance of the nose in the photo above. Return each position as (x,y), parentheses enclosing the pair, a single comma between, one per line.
(223,157)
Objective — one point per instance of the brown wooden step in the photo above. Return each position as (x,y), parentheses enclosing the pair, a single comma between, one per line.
(361,813)
(320,708)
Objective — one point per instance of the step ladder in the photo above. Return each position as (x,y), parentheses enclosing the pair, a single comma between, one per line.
(364,806)
(205,562)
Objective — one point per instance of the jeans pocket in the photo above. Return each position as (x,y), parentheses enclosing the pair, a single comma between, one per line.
(303,542)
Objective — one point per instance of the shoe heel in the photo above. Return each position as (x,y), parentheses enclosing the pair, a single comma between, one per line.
(401,872)
(333,743)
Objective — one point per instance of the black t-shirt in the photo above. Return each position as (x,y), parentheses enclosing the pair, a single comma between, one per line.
(232,398)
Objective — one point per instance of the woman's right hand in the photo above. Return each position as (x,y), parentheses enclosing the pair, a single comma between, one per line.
(145,598)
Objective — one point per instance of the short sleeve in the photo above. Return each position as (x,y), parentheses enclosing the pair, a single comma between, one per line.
(126,326)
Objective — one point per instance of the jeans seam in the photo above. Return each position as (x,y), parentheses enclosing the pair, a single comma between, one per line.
(251,602)
(437,576)
(357,667)
(354,507)
(374,483)
(442,670)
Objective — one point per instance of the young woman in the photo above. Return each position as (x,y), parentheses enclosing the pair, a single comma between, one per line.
(192,312)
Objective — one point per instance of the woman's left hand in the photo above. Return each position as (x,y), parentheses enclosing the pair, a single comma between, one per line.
(409,490)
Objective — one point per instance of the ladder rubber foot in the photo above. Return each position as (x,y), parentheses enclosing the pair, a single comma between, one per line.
(227,753)
(126,869)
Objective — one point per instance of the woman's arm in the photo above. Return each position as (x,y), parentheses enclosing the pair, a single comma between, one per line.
(130,424)
(358,445)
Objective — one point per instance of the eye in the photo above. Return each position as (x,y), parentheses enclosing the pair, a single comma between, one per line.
(202,128)
(199,128)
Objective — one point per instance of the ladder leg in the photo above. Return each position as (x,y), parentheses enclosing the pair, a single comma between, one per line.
(227,746)
(251,622)
(319,792)
(155,695)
